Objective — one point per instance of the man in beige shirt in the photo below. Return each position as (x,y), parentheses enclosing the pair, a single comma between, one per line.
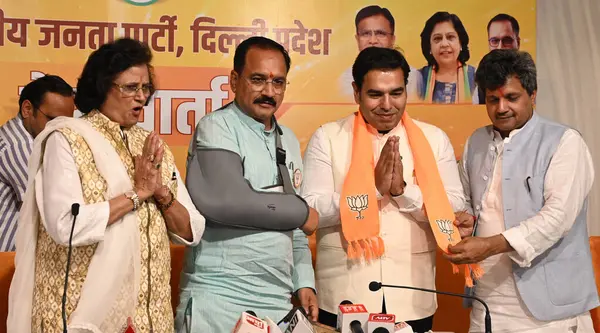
(380,77)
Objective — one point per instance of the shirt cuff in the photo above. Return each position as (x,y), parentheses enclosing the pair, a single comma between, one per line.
(379,196)
(523,251)
(304,278)
(411,200)
(195,238)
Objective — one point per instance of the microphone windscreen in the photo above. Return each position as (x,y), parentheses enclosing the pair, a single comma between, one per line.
(381,330)
(374,286)
(75,209)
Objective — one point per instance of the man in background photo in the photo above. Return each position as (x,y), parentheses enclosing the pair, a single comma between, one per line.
(503,33)
(375,26)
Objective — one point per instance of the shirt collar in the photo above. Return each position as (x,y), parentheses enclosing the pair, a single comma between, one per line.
(513,133)
(397,131)
(103,121)
(19,122)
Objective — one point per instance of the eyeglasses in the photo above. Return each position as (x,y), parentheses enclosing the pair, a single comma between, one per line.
(506,41)
(259,83)
(42,112)
(379,34)
(130,90)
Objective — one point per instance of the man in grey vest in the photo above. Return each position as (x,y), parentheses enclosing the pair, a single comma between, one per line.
(527,179)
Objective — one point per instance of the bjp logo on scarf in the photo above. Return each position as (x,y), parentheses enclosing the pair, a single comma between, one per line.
(446,227)
(358,203)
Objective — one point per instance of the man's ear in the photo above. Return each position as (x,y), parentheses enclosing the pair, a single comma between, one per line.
(233,79)
(356,93)
(27,109)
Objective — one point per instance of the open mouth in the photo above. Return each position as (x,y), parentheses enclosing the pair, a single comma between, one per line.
(138,109)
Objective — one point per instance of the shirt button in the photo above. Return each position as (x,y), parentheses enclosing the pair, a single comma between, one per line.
(485,177)
(492,148)
(477,207)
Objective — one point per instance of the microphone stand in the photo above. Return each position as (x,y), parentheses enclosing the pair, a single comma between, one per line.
(375,286)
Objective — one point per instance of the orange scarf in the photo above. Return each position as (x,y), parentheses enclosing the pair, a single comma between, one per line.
(463,88)
(359,211)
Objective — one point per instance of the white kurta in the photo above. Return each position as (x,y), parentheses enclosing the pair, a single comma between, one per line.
(567,183)
(62,187)
(409,242)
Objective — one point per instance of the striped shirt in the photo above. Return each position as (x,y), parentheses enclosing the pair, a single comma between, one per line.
(15,148)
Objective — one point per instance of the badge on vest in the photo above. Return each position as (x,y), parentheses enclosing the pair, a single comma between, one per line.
(297,178)
(296,175)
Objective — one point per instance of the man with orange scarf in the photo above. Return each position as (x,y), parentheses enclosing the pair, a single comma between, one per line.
(380,181)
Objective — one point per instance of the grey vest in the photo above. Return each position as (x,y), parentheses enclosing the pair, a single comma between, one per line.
(560,281)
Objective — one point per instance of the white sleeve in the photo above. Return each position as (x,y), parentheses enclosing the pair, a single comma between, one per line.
(61,188)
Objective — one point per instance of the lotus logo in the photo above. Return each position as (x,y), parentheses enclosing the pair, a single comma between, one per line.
(358,203)
(141,2)
(446,228)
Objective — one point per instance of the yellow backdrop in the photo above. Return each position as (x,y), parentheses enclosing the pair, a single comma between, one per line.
(194,42)
(193,62)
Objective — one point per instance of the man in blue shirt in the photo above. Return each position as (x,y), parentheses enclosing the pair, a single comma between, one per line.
(248,262)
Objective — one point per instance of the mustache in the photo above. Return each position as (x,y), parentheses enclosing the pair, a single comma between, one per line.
(381,112)
(266,100)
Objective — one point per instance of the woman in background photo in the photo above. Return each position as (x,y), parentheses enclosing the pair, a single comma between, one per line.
(447,78)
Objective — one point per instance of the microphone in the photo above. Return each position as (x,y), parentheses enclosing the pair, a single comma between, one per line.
(250,324)
(299,323)
(375,286)
(74,212)
(272,326)
(351,317)
(356,327)
(381,323)
(290,314)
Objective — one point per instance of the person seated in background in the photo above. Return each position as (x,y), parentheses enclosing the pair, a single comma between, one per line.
(41,100)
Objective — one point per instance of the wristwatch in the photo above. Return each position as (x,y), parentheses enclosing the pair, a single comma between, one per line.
(132,195)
